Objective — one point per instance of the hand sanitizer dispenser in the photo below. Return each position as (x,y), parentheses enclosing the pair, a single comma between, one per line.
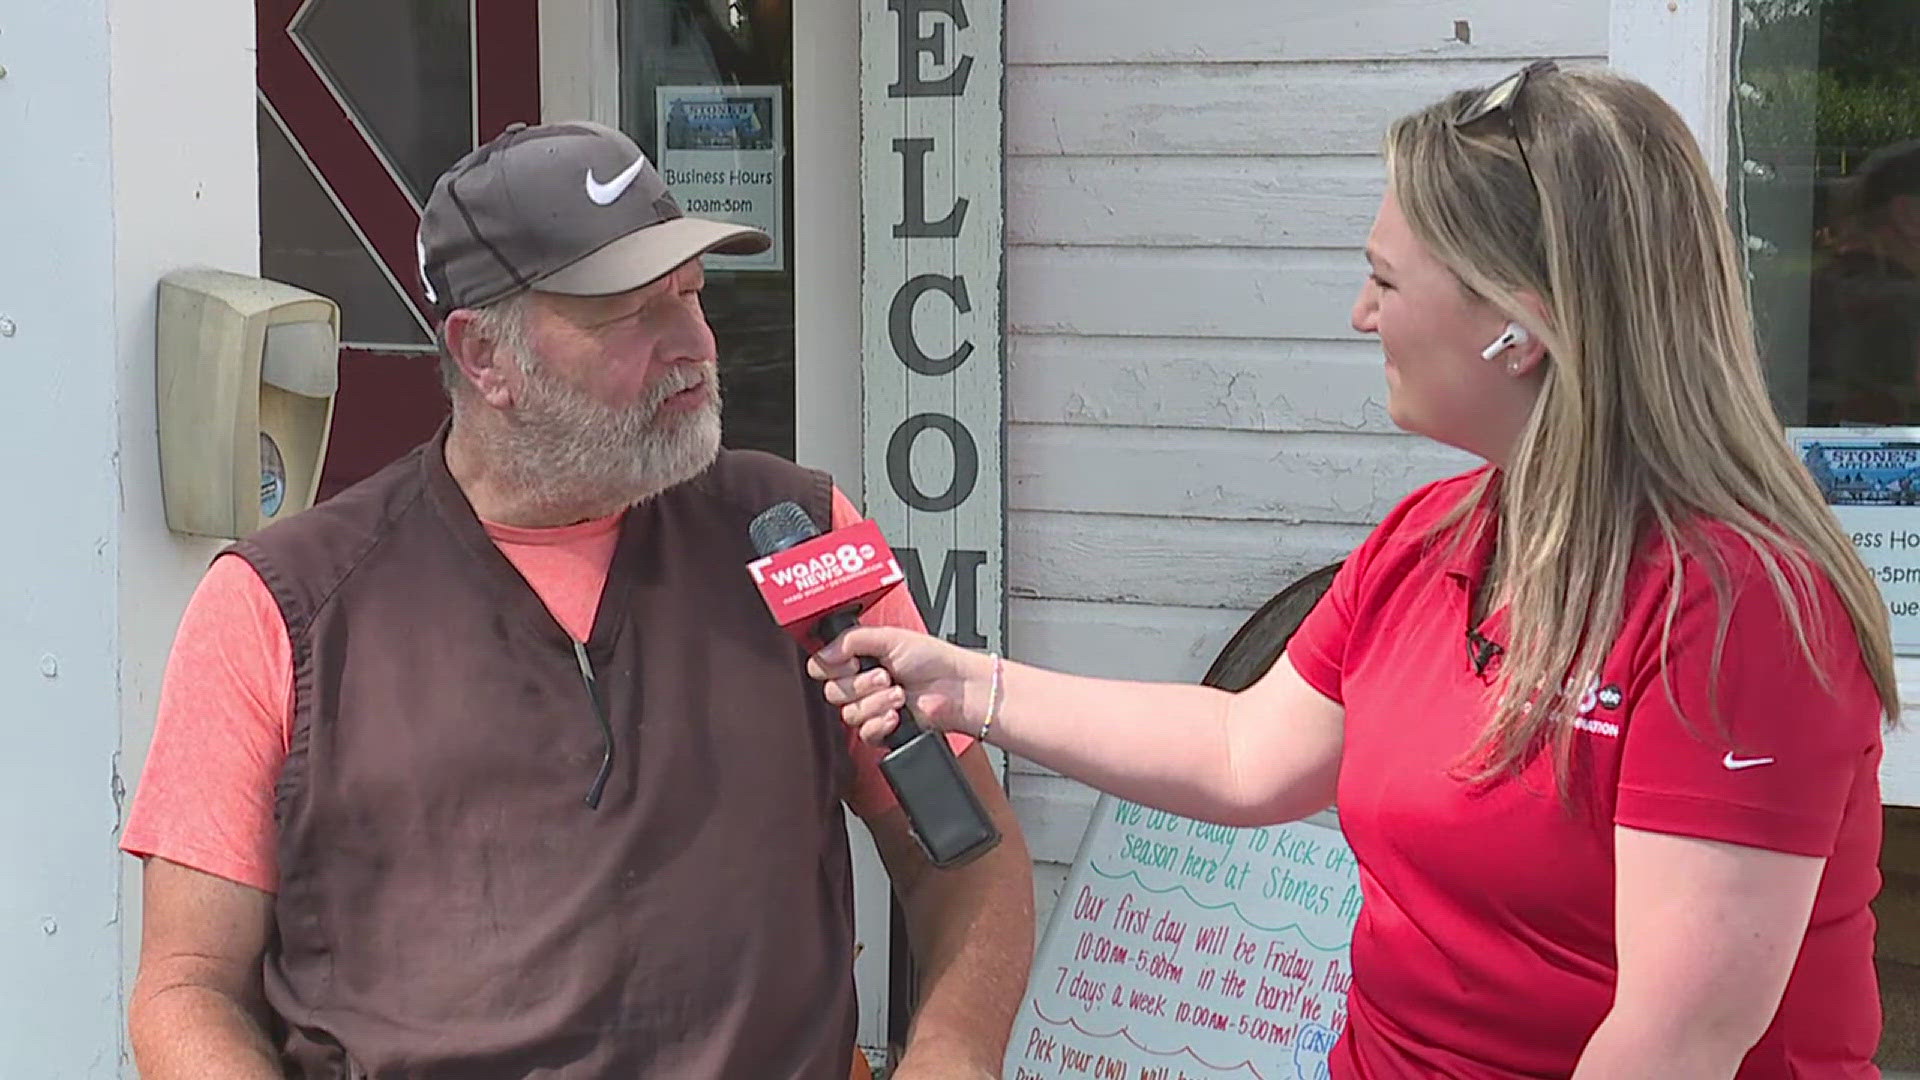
(247,372)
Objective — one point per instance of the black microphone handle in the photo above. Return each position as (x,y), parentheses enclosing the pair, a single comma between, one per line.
(945,815)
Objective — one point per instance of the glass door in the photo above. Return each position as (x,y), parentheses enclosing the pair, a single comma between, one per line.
(1825,169)
(360,106)
(706,89)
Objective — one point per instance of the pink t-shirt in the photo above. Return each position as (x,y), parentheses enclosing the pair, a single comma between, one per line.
(1485,943)
(226,701)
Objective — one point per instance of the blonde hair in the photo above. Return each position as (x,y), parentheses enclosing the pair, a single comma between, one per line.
(1653,416)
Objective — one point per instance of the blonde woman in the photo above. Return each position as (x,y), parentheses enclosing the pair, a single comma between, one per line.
(1603,718)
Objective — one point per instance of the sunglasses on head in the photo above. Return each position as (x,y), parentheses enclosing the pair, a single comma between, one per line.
(1500,99)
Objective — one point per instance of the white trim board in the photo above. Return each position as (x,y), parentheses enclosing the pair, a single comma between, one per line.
(1683,49)
(826,246)
(580,61)
(825,150)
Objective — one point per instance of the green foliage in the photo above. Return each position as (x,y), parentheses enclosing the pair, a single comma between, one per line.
(1853,119)
(1864,94)
(1867,116)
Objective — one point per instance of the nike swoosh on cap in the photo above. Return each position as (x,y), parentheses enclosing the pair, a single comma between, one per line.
(603,194)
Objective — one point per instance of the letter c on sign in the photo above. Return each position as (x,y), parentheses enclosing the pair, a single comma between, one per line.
(966,463)
(900,323)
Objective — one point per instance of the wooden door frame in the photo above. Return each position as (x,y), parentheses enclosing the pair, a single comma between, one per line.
(827,381)
(342,152)
(387,392)
(580,60)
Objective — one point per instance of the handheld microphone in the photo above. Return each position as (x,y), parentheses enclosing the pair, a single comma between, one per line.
(816,586)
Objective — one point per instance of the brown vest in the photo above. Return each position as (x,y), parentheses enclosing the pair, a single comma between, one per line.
(449,906)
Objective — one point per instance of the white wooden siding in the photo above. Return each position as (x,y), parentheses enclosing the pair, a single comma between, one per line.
(1290,477)
(1263,31)
(1260,110)
(1103,201)
(1214,292)
(1160,560)
(1192,422)
(1222,384)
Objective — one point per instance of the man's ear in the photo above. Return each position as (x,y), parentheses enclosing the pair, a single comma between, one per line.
(486,369)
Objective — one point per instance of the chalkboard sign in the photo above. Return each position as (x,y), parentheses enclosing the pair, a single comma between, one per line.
(1181,950)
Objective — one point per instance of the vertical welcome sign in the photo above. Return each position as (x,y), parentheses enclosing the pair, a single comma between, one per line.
(932,253)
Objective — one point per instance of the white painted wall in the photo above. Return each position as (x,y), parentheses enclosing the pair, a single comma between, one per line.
(140,117)
(184,194)
(1685,52)
(59,945)
(1188,194)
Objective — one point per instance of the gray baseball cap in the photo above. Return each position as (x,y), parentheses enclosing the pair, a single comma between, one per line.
(571,207)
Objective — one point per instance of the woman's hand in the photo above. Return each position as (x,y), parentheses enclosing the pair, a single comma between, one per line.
(944,685)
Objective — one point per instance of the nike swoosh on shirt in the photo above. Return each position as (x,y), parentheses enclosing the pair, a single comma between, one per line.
(1734,764)
(602,194)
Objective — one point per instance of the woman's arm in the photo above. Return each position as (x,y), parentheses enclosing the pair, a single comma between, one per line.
(1268,754)
(1707,933)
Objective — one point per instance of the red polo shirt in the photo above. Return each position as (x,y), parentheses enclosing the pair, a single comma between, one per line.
(1486,944)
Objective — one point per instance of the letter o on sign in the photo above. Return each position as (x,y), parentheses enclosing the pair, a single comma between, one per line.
(966,463)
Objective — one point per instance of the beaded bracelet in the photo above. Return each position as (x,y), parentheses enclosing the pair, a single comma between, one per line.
(993,699)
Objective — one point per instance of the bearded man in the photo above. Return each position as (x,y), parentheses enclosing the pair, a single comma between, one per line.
(493,765)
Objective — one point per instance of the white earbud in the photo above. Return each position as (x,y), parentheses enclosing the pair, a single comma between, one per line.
(1514,334)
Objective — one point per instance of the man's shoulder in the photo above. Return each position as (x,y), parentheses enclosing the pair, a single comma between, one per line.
(740,465)
(332,535)
(358,508)
(753,480)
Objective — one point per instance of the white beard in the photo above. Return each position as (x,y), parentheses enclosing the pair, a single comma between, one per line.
(563,450)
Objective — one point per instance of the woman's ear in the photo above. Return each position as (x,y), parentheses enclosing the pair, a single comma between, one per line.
(1526,351)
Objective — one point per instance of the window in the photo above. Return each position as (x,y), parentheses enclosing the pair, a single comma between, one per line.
(1825,185)
(741,52)
(1825,182)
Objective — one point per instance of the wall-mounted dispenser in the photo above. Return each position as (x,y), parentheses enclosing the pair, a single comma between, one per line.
(247,371)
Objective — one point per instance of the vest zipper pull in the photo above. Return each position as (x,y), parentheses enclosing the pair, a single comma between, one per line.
(606,725)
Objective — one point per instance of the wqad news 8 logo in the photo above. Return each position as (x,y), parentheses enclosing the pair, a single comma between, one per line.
(1865,472)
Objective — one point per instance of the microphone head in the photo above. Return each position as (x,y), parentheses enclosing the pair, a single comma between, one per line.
(804,576)
(780,527)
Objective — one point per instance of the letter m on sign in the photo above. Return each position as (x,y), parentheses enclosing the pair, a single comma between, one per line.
(959,587)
